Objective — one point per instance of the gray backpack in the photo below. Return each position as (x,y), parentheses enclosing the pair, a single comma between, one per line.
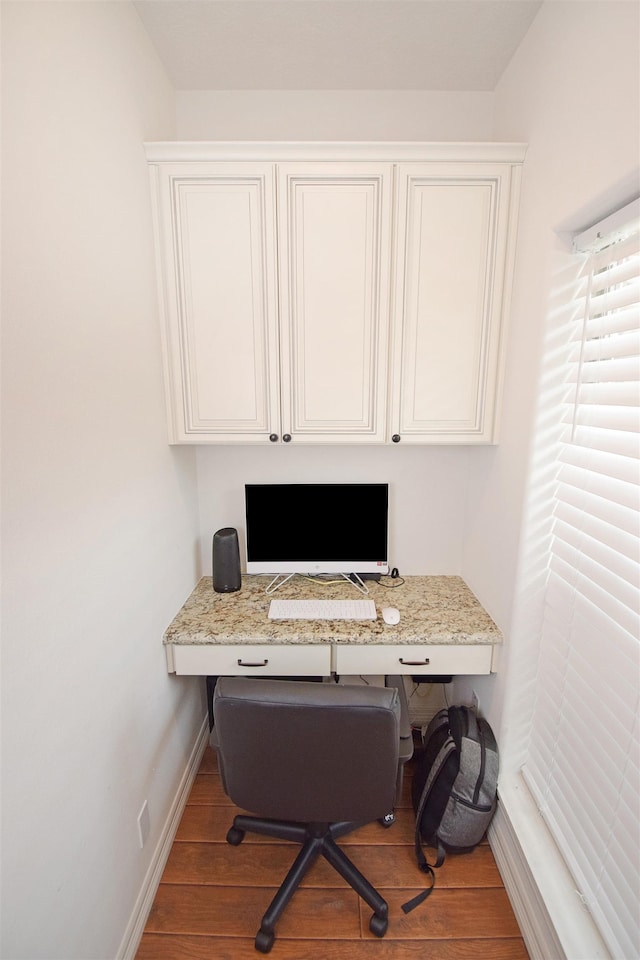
(454,787)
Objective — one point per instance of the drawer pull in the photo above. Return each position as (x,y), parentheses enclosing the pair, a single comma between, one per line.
(244,663)
(415,663)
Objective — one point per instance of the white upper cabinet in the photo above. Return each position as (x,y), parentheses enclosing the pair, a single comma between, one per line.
(453,229)
(216,245)
(334,292)
(334,227)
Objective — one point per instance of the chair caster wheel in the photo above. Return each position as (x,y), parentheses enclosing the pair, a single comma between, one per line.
(388,820)
(378,925)
(235,836)
(264,941)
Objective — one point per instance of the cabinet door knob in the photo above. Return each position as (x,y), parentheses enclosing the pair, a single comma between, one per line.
(286,437)
(273,437)
(396,438)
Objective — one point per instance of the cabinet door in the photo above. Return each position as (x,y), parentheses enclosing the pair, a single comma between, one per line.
(217,258)
(334,245)
(452,247)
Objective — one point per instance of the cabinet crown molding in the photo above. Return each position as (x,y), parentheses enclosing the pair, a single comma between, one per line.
(172,151)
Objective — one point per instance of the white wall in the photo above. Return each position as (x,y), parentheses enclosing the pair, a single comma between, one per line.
(426,493)
(427,484)
(333,115)
(99,514)
(570,92)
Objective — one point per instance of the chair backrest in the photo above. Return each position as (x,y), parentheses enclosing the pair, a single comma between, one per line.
(310,752)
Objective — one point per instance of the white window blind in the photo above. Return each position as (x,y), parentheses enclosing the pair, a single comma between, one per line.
(582,763)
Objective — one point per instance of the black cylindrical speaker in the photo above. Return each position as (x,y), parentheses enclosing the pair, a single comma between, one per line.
(226,561)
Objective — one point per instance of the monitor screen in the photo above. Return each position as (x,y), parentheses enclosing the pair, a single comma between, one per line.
(317,527)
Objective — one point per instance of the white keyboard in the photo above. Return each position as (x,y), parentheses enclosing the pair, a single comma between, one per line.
(322,610)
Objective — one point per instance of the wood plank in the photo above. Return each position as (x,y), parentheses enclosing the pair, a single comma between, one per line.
(209,762)
(183,947)
(401,832)
(207,788)
(237,911)
(210,822)
(456,914)
(221,864)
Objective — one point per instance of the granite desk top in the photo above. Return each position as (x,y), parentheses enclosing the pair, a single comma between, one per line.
(438,610)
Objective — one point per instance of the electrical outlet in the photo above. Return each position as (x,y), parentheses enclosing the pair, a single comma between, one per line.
(475,703)
(144,824)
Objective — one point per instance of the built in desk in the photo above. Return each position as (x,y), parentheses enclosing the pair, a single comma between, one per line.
(443,630)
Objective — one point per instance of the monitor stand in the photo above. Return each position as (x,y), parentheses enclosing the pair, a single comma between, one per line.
(278,581)
(281,579)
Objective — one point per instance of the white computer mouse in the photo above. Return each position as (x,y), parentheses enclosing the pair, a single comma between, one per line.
(390,615)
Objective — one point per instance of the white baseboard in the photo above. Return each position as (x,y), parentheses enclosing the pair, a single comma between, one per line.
(554,922)
(535,924)
(144,901)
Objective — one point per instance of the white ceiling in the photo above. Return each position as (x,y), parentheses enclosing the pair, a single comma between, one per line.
(336,44)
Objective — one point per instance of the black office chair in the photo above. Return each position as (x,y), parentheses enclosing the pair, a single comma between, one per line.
(312,761)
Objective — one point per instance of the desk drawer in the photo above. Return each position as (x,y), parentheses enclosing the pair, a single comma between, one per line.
(418,659)
(252,660)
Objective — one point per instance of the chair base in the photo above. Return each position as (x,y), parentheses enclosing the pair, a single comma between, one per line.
(316,839)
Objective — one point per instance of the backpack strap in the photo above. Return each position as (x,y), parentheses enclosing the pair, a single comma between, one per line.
(446,750)
(426,867)
(421,897)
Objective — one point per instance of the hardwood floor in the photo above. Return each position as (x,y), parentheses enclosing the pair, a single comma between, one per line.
(212,895)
